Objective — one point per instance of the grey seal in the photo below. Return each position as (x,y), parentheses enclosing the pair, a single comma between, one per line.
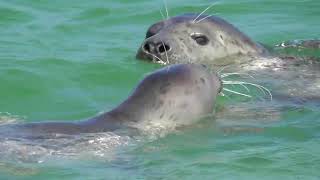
(176,95)
(196,38)
(210,40)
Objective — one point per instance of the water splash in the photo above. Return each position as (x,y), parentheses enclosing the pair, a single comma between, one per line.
(98,145)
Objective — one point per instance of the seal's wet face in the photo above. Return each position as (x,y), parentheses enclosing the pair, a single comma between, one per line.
(189,38)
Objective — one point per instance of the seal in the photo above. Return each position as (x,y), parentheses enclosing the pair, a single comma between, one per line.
(196,38)
(210,40)
(176,95)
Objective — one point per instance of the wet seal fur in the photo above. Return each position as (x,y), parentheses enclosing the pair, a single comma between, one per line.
(176,95)
(210,40)
(195,38)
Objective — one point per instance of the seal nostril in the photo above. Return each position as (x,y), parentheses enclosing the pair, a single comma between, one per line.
(146,47)
(163,48)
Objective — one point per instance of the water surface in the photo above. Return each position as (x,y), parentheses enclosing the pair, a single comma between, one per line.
(69,60)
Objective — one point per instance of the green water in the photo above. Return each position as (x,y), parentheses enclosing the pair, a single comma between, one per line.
(69,60)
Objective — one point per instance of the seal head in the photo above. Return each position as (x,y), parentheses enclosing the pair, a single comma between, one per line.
(195,38)
(175,95)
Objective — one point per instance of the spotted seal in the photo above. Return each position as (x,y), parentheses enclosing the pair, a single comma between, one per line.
(196,38)
(174,95)
(210,40)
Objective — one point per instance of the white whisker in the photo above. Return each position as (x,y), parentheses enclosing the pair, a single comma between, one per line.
(224,95)
(166,7)
(235,92)
(203,18)
(204,11)
(245,87)
(242,85)
(262,88)
(165,50)
(163,18)
(160,60)
(224,75)
(219,71)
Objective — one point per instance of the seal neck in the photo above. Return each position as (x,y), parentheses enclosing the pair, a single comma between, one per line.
(120,117)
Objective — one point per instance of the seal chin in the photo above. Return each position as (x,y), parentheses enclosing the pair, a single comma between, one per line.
(143,56)
(154,58)
(148,53)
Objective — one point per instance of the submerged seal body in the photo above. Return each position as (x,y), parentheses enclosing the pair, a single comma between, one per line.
(175,95)
(195,38)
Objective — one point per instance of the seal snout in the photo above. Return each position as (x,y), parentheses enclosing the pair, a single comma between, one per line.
(156,48)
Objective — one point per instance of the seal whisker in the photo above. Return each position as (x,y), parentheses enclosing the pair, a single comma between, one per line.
(224,95)
(163,18)
(203,18)
(204,11)
(165,50)
(255,85)
(224,75)
(233,43)
(262,88)
(160,60)
(166,7)
(155,103)
(219,71)
(245,87)
(235,92)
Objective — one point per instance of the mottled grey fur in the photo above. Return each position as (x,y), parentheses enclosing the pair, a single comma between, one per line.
(159,98)
(174,40)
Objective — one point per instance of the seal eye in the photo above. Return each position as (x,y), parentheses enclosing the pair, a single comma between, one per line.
(200,39)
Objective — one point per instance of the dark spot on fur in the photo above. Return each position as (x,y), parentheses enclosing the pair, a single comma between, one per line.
(171,116)
(164,88)
(203,80)
(161,116)
(221,37)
